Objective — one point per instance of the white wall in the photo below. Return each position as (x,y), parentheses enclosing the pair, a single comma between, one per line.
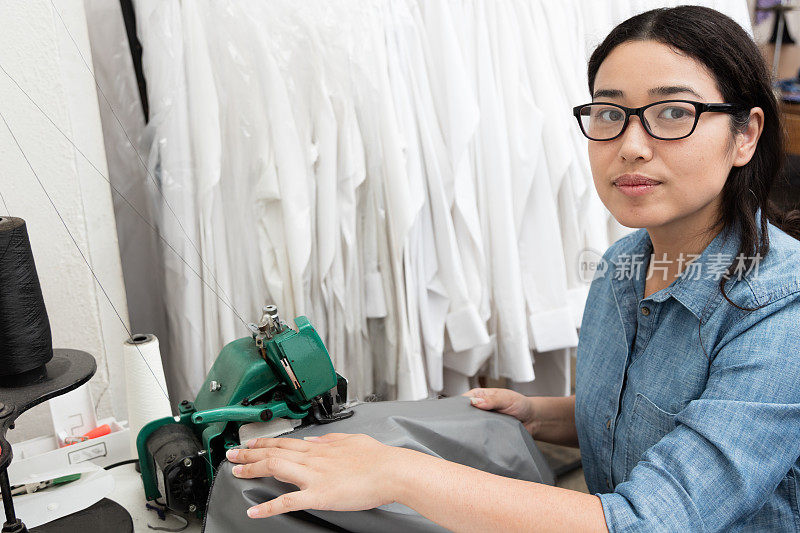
(38,53)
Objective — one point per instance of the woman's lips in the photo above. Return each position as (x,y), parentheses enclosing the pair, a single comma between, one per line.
(633,185)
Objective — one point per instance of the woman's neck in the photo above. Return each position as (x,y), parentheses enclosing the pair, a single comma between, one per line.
(674,245)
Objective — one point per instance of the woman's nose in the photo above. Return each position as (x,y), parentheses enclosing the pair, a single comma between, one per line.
(636,143)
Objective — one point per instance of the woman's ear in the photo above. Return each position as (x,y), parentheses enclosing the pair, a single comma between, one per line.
(747,140)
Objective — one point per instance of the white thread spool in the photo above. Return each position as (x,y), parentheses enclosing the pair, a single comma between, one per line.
(146,385)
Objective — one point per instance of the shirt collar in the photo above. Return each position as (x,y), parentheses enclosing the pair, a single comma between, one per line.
(697,288)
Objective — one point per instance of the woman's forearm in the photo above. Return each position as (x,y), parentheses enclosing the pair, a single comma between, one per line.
(553,420)
(461,498)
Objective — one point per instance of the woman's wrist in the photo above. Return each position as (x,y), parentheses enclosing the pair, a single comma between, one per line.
(553,419)
(535,415)
(399,471)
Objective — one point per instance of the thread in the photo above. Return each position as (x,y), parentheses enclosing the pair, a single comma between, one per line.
(145,383)
(26,344)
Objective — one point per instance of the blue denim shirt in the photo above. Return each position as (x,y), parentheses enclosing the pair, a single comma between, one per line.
(675,436)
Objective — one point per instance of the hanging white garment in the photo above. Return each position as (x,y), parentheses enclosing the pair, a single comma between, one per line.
(406,172)
(426,301)
(248,177)
(549,367)
(452,82)
(418,270)
(348,293)
(575,185)
(465,327)
(342,283)
(399,364)
(380,307)
(170,164)
(446,300)
(496,203)
(219,322)
(457,383)
(327,216)
(299,60)
(282,190)
(550,323)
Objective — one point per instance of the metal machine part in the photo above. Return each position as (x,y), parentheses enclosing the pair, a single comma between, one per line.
(273,320)
(277,373)
(268,325)
(328,407)
(179,465)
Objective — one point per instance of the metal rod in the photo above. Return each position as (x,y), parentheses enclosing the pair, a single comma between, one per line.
(8,504)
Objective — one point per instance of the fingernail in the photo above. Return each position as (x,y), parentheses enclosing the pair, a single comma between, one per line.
(254,512)
(310,438)
(476,401)
(251,443)
(237,470)
(232,454)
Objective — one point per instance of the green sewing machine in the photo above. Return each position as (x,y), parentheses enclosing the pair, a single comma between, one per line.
(258,383)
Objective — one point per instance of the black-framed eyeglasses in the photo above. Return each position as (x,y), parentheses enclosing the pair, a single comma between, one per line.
(668,120)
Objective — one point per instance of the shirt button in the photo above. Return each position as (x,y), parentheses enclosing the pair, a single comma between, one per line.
(608,424)
(645,311)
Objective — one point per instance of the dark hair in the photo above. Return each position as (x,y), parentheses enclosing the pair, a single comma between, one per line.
(734,60)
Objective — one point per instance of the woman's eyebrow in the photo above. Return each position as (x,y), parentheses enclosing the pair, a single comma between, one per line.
(665,90)
(608,93)
(668,90)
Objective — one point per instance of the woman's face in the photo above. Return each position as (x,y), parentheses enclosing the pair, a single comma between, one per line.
(689,172)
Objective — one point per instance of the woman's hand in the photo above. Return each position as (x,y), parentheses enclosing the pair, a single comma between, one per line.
(334,472)
(550,419)
(505,401)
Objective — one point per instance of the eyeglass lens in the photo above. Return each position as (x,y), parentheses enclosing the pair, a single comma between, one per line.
(668,120)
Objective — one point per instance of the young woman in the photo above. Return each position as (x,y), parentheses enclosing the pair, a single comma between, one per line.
(687,410)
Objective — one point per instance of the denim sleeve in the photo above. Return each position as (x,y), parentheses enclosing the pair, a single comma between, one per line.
(732,446)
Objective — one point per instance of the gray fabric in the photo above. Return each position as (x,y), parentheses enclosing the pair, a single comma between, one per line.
(449,428)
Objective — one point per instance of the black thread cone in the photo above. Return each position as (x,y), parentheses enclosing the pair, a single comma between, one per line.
(25,340)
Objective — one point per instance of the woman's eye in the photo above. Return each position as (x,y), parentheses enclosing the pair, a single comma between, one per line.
(611,115)
(675,113)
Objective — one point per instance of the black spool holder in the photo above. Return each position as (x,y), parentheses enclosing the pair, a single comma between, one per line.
(66,371)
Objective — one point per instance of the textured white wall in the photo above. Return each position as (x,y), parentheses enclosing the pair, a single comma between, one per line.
(37,52)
